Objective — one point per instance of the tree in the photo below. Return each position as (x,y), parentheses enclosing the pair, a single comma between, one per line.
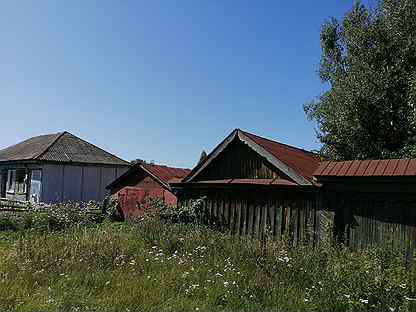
(369,65)
(202,157)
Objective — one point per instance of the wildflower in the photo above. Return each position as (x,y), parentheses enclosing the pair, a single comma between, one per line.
(409,299)
(306,300)
(226,284)
(347,296)
(402,286)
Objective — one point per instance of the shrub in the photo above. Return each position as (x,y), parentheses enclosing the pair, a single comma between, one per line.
(51,217)
(192,212)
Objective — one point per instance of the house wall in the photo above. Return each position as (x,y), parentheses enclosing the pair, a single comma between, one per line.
(76,183)
(239,161)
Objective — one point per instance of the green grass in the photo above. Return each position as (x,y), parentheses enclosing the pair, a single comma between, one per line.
(152,266)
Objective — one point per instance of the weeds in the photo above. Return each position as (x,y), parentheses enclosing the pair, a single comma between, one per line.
(152,266)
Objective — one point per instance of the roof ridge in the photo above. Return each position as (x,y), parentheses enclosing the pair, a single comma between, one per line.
(167,166)
(58,136)
(284,144)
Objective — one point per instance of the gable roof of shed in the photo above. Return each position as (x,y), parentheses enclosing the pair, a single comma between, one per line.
(162,174)
(296,163)
(59,147)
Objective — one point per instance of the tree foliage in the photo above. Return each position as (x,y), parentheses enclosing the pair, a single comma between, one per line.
(203,156)
(369,65)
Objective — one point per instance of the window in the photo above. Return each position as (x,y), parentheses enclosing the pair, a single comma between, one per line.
(16,181)
(11,176)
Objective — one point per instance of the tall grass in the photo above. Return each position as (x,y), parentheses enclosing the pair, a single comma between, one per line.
(153,266)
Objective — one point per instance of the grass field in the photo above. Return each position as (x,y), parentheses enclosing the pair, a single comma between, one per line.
(153,266)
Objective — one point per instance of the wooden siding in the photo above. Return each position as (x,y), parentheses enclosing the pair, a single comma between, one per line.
(258,213)
(239,161)
(378,220)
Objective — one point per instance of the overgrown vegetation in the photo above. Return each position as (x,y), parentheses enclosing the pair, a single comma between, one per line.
(51,218)
(153,266)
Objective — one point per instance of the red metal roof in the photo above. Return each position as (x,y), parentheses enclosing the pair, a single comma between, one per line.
(302,161)
(166,173)
(281,182)
(369,168)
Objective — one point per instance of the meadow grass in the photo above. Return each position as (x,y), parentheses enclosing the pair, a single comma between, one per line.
(151,266)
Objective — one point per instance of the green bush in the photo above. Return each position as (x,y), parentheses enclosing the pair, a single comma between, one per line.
(192,212)
(51,218)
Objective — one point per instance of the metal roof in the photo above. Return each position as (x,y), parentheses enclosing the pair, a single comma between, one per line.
(300,160)
(296,163)
(59,147)
(162,174)
(367,168)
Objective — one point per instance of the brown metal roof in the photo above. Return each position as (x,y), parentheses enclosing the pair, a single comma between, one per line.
(368,168)
(163,174)
(60,147)
(300,160)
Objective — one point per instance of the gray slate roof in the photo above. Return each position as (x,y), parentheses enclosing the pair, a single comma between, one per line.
(60,147)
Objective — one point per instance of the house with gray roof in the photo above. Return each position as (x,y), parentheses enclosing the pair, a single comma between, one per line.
(56,168)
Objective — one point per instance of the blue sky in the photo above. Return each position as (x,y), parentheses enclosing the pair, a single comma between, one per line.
(161,80)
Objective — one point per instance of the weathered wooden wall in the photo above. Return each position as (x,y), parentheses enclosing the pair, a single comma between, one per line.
(360,221)
(255,213)
(239,161)
(378,220)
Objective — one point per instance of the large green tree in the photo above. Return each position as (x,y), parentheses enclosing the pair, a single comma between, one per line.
(368,66)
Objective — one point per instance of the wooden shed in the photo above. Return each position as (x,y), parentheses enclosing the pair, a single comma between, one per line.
(142,182)
(255,185)
(57,168)
(374,201)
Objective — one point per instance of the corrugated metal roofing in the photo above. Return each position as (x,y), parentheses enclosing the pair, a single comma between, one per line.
(367,168)
(302,161)
(60,147)
(166,173)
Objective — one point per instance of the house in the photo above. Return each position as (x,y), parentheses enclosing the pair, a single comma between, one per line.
(254,185)
(141,182)
(56,168)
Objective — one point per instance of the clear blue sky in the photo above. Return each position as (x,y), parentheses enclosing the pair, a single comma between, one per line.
(161,80)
